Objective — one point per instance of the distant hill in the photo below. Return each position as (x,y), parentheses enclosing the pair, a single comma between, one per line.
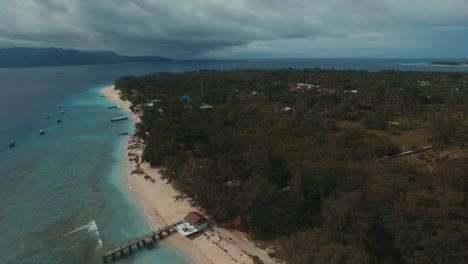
(38,57)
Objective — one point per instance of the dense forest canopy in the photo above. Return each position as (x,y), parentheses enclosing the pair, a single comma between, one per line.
(300,158)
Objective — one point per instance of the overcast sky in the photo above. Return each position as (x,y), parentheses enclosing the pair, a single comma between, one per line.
(242,28)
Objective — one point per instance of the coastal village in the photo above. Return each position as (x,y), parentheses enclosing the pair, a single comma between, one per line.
(138,109)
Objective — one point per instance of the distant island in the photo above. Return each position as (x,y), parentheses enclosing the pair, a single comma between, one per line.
(43,57)
(449,63)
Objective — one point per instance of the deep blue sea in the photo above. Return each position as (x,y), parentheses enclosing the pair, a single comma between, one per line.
(63,195)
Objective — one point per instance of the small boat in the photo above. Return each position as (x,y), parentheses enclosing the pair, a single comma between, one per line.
(112,107)
(47,117)
(12,144)
(119,119)
(42,132)
(63,112)
(59,121)
(123,133)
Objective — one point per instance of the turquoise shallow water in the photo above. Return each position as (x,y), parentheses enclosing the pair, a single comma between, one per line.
(63,197)
(64,194)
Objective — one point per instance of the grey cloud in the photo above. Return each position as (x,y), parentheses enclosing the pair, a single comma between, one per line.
(191,28)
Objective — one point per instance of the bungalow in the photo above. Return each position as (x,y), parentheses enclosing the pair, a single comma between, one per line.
(392,123)
(326,90)
(302,87)
(351,91)
(424,83)
(287,109)
(205,106)
(137,108)
(194,222)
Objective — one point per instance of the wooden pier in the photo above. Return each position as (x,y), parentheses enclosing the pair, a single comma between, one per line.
(147,241)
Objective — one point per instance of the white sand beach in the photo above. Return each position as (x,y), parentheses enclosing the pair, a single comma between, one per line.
(157,200)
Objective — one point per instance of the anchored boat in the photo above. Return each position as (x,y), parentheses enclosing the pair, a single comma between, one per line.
(59,121)
(42,132)
(123,133)
(12,144)
(119,119)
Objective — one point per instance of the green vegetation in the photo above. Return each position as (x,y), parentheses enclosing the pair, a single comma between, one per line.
(298,166)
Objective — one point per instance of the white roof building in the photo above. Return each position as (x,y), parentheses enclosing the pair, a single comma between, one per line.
(192,223)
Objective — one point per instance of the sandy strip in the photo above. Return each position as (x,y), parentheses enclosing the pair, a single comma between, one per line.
(157,200)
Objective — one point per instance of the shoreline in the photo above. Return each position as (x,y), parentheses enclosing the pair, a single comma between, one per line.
(157,201)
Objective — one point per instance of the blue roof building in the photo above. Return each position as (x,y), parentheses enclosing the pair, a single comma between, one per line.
(185,98)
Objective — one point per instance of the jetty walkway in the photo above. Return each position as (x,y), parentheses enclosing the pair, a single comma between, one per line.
(147,241)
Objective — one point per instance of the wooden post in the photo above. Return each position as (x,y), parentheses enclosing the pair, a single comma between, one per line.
(149,243)
(130,250)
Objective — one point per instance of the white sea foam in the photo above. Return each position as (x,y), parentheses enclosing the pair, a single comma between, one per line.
(425,64)
(99,245)
(414,64)
(91,227)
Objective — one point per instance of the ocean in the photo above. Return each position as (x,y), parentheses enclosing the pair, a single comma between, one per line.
(64,198)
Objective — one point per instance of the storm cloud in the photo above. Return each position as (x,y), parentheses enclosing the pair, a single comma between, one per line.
(241,28)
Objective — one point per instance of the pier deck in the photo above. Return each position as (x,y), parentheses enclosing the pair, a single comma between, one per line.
(147,241)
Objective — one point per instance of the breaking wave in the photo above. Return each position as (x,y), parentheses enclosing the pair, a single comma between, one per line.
(99,245)
(414,64)
(91,227)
